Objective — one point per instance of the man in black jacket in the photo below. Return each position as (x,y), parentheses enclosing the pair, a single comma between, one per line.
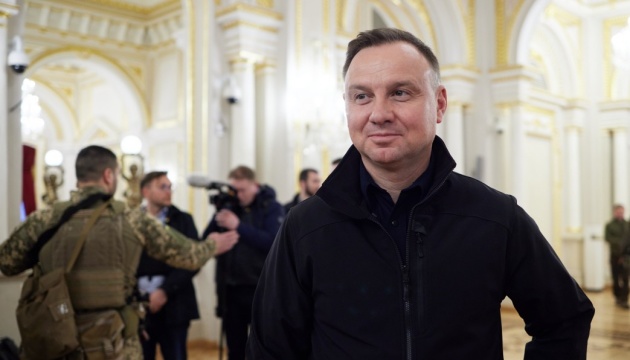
(172,301)
(399,257)
(256,220)
(309,182)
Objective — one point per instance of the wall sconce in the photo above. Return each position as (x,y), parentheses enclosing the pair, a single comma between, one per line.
(132,163)
(53,175)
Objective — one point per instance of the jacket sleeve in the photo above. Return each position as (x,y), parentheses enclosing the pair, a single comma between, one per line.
(165,244)
(556,311)
(282,308)
(176,279)
(14,251)
(262,237)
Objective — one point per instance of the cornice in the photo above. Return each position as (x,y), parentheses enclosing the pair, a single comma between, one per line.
(247,8)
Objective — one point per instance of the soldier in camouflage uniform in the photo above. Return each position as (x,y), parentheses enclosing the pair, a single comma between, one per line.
(97,172)
(615,232)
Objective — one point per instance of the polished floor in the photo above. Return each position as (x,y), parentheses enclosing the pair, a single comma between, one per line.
(609,340)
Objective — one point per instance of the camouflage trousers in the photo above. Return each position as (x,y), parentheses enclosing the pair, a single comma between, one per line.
(132,349)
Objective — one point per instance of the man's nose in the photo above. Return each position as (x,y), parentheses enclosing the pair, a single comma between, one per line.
(381,110)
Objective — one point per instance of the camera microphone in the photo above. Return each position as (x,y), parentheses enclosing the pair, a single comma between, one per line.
(205,182)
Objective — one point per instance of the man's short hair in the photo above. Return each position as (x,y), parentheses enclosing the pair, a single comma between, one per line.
(384,36)
(148,178)
(92,162)
(242,173)
(336,161)
(304,174)
(617,206)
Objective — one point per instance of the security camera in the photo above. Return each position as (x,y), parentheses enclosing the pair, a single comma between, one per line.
(231,92)
(18,60)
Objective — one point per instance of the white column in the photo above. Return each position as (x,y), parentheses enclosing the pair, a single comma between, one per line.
(242,126)
(10,129)
(272,149)
(517,158)
(454,127)
(574,208)
(620,166)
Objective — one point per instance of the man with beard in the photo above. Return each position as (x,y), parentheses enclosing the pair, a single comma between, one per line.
(171,294)
(309,181)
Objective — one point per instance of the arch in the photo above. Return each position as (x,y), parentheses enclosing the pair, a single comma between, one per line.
(100,63)
(59,108)
(524,25)
(552,42)
(448,26)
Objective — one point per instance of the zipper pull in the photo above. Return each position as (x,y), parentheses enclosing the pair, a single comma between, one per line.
(419,229)
(419,245)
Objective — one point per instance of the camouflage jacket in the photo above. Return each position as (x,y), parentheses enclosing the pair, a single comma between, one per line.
(614,233)
(160,242)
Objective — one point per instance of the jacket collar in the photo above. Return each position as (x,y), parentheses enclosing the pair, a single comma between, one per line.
(342,188)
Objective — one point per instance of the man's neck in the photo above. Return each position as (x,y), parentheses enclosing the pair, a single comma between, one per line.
(395,180)
(154,209)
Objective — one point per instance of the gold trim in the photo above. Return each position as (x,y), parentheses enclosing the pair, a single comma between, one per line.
(237,23)
(424,15)
(189,115)
(265,3)
(504,32)
(381,6)
(326,20)
(126,6)
(340,15)
(205,86)
(264,12)
(469,21)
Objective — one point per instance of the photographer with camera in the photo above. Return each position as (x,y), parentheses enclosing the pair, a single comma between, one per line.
(255,214)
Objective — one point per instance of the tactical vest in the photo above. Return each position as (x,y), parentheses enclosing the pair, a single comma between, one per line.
(104,275)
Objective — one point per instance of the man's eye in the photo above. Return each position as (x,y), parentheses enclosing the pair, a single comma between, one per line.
(400,93)
(361,98)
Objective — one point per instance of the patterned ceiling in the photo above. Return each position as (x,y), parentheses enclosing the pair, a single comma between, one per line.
(135,5)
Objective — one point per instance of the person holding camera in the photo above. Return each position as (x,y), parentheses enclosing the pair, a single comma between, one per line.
(256,219)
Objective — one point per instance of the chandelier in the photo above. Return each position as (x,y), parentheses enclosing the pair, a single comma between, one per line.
(32,123)
(621,47)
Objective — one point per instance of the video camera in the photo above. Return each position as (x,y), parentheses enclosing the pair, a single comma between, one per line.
(223,195)
(225,198)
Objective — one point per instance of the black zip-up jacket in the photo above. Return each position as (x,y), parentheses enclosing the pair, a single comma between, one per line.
(181,306)
(334,286)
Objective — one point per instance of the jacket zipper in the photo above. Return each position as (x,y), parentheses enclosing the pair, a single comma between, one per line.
(406,288)
(405,270)
(407,303)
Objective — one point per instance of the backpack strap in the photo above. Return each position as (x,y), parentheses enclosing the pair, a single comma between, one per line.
(33,253)
(84,233)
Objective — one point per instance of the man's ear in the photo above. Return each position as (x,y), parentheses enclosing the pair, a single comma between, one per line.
(442,101)
(109,176)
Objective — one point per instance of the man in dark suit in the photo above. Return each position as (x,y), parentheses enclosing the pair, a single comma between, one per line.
(171,294)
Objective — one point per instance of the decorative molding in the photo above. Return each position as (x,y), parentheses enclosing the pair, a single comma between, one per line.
(120,29)
(247,8)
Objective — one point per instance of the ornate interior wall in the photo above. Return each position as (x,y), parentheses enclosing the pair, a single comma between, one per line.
(537,107)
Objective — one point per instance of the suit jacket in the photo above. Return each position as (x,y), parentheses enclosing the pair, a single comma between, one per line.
(181,306)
